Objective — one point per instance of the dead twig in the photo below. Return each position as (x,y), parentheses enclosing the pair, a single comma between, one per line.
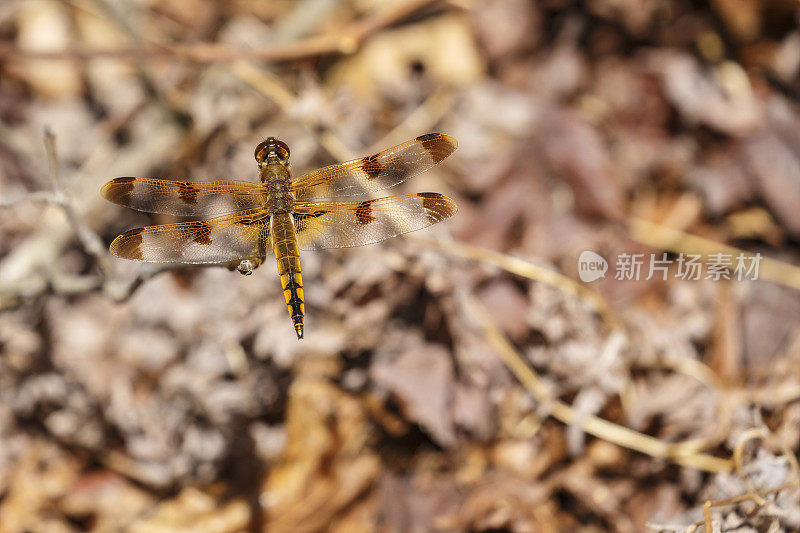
(762,433)
(90,241)
(706,522)
(120,291)
(757,497)
(66,285)
(342,42)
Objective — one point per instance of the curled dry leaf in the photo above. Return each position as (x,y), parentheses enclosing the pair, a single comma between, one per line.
(421,377)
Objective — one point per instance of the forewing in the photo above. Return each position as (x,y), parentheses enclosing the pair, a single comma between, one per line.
(184,198)
(346,224)
(218,240)
(375,172)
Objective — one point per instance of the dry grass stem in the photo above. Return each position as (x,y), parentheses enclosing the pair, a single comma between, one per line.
(344,42)
(665,238)
(684,453)
(526,269)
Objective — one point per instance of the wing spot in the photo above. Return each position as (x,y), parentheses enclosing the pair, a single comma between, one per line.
(201,233)
(437,206)
(364,212)
(129,245)
(119,190)
(187,192)
(436,145)
(371,167)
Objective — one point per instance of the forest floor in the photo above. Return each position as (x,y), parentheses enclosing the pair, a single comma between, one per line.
(459,379)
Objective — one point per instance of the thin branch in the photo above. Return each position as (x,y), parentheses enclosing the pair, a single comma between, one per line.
(38,196)
(706,522)
(341,42)
(121,291)
(65,285)
(90,241)
(521,267)
(757,497)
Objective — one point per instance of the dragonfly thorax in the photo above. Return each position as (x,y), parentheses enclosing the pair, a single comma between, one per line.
(277,181)
(280,202)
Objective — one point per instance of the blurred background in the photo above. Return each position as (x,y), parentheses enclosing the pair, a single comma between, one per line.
(461,379)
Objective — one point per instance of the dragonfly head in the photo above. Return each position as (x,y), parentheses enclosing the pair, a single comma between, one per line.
(272,151)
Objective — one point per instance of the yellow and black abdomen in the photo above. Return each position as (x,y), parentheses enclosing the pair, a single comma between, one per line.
(288,257)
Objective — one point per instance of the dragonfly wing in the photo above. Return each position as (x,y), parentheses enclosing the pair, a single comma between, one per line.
(375,172)
(223,239)
(184,198)
(345,224)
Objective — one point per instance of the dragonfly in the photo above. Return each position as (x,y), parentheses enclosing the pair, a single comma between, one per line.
(281,215)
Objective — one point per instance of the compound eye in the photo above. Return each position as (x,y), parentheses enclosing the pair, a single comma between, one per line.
(261,151)
(280,149)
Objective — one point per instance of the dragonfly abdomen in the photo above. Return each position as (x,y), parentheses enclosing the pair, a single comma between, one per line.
(287,256)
